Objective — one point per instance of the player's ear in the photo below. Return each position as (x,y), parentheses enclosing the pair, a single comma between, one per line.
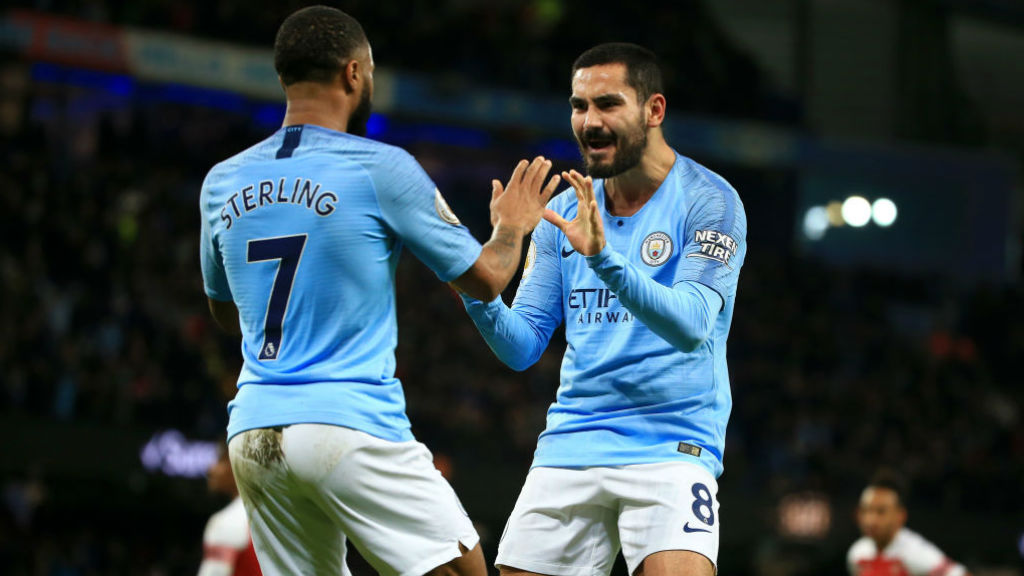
(351,75)
(655,106)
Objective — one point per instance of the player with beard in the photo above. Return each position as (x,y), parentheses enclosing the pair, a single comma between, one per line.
(641,264)
(300,238)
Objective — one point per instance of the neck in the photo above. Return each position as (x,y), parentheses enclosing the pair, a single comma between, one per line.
(627,193)
(318,105)
(883,544)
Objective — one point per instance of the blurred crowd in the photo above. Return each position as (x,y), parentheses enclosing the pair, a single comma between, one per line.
(103,320)
(523,45)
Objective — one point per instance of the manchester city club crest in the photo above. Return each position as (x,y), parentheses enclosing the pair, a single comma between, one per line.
(531,257)
(443,210)
(656,249)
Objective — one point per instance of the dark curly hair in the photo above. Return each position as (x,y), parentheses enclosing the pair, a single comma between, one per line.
(643,73)
(890,480)
(314,43)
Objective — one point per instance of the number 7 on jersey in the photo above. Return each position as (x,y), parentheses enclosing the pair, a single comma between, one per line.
(287,249)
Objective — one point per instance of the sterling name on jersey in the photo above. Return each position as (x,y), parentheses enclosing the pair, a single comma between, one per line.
(303,232)
(626,395)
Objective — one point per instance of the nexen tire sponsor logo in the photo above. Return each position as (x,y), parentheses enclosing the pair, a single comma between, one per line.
(714,246)
(583,299)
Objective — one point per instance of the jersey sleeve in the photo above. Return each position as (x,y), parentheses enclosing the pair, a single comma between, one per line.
(520,334)
(215,280)
(414,209)
(851,561)
(925,559)
(683,315)
(715,242)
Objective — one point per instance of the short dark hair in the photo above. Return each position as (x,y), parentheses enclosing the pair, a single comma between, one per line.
(643,73)
(314,43)
(890,480)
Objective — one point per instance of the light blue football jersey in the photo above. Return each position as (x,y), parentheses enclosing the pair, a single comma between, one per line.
(626,395)
(303,232)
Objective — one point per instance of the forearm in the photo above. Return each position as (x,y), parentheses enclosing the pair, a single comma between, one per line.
(495,267)
(683,316)
(512,338)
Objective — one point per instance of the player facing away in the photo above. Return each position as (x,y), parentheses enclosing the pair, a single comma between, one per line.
(641,264)
(301,235)
(887,547)
(227,546)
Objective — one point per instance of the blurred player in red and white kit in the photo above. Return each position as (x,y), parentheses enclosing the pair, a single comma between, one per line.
(227,546)
(887,548)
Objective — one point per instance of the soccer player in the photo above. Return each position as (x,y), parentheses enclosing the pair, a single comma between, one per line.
(887,547)
(641,264)
(227,546)
(300,238)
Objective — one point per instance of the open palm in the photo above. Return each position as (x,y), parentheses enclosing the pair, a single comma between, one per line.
(586,231)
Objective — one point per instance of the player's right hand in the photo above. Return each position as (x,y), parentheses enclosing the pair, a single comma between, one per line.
(519,205)
(586,231)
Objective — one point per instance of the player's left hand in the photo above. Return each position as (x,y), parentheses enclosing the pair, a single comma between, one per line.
(586,231)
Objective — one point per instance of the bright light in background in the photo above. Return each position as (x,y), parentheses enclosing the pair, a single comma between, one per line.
(834,209)
(815,222)
(856,211)
(883,212)
(168,451)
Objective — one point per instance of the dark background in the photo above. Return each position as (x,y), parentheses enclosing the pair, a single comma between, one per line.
(866,347)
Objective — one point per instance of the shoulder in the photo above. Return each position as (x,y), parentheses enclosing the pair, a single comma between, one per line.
(909,540)
(225,168)
(370,154)
(701,184)
(864,547)
(913,546)
(228,527)
(708,198)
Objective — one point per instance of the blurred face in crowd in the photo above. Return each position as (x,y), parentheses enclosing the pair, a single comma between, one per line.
(609,123)
(880,514)
(361,115)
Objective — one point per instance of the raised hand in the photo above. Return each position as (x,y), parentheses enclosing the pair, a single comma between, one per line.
(586,231)
(519,205)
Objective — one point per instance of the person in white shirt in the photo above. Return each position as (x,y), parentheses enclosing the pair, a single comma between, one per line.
(887,547)
(227,546)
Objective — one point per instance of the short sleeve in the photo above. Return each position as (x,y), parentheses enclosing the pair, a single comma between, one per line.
(215,280)
(414,209)
(925,558)
(715,242)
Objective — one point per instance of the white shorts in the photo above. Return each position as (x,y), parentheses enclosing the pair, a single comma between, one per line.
(572,521)
(307,487)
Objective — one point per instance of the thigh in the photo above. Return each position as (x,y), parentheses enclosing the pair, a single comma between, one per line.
(676,563)
(290,533)
(561,525)
(390,500)
(669,506)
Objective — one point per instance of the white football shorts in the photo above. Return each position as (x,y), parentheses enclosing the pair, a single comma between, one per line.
(572,521)
(307,487)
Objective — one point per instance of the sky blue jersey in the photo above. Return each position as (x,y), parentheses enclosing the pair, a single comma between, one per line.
(633,388)
(303,232)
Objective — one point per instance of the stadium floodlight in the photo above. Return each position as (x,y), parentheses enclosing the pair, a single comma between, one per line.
(856,211)
(815,222)
(834,210)
(883,212)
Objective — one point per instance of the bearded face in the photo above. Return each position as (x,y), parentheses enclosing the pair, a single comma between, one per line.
(361,115)
(608,120)
(607,153)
